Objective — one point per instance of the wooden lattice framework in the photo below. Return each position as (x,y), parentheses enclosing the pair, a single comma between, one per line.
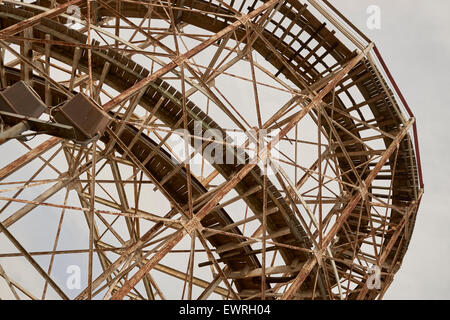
(338,203)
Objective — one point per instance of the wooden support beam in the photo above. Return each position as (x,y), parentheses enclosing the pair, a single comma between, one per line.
(35,67)
(2,69)
(22,25)
(196,281)
(184,58)
(212,285)
(269,271)
(232,246)
(8,281)
(309,265)
(47,49)
(27,158)
(390,245)
(76,59)
(27,51)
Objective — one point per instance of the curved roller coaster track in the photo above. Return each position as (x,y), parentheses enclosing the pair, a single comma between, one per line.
(323,189)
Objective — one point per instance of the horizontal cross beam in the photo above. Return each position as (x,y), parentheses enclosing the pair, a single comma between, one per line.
(309,265)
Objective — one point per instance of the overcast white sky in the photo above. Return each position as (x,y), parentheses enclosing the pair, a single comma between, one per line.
(414,40)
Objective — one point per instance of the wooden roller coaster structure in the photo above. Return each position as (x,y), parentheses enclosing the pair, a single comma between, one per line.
(140,220)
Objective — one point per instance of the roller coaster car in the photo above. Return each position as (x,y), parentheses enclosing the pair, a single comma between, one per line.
(21,99)
(84,115)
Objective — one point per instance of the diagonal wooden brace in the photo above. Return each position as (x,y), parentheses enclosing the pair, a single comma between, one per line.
(181,59)
(167,247)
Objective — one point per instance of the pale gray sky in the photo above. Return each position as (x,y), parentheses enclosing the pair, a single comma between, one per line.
(414,41)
